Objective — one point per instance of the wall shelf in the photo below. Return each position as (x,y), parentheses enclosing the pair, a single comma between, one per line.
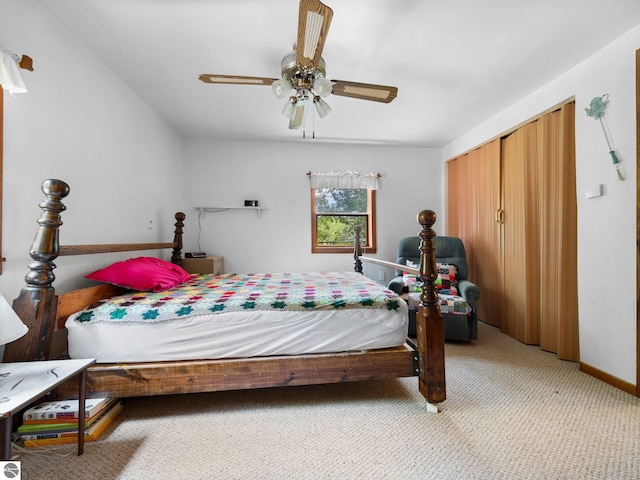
(258,210)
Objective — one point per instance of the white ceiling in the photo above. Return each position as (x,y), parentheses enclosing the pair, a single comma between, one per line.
(455,62)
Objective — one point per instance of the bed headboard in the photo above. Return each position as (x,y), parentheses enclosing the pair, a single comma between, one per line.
(37,304)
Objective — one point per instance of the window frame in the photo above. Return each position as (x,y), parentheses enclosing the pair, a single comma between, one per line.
(370,234)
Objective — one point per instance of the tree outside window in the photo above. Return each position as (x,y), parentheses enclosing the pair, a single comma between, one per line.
(335,211)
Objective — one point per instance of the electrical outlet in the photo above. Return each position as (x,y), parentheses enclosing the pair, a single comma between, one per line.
(381,276)
(150,225)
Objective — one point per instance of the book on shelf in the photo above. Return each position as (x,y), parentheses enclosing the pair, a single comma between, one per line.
(92,433)
(63,411)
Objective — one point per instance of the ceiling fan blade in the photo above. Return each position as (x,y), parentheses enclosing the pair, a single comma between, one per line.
(235,79)
(313,24)
(364,91)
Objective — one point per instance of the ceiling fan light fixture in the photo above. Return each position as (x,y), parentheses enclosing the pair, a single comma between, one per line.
(322,107)
(299,114)
(281,88)
(289,107)
(322,86)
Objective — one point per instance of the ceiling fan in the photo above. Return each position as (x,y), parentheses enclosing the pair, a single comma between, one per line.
(303,71)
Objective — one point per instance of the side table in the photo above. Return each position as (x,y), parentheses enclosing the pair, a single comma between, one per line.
(214,265)
(21,383)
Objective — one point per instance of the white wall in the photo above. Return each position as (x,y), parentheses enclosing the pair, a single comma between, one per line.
(227,173)
(78,122)
(606,225)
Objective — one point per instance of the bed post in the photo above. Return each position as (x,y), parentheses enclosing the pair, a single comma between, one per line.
(37,303)
(430,324)
(357,249)
(176,255)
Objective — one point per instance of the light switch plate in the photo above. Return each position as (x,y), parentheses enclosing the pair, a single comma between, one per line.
(595,191)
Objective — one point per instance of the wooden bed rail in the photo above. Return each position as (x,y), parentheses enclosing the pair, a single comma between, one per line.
(430,324)
(37,303)
(395,266)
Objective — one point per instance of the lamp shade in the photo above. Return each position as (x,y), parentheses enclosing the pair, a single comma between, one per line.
(289,107)
(297,118)
(11,327)
(10,77)
(281,88)
(323,86)
(322,107)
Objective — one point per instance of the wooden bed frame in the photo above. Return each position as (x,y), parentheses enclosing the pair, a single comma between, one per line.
(43,311)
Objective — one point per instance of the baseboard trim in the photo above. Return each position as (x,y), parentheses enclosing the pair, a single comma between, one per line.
(608,378)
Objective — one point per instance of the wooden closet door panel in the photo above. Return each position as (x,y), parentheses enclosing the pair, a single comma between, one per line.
(520,306)
(455,189)
(464,198)
(532,229)
(473,197)
(558,235)
(550,230)
(486,259)
(514,289)
(568,338)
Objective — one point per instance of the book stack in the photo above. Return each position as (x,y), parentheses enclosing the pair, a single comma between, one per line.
(56,423)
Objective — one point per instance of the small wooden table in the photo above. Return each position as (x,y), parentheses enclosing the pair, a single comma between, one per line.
(21,383)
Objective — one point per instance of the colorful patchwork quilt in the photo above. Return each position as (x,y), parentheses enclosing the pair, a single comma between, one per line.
(207,294)
(449,304)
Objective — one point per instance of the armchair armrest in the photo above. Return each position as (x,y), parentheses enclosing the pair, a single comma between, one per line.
(470,292)
(396,285)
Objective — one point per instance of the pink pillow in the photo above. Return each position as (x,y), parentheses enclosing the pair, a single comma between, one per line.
(142,273)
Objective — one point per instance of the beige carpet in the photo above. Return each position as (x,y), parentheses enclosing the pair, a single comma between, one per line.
(513,412)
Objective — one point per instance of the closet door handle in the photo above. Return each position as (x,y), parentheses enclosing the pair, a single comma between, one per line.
(500,215)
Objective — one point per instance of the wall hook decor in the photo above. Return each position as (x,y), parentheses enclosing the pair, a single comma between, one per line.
(597,110)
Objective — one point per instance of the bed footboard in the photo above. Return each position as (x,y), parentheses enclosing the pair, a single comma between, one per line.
(430,324)
(191,376)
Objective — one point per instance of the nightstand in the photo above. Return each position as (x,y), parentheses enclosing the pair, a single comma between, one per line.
(21,383)
(213,265)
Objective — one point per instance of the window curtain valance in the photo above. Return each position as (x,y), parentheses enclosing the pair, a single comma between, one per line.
(346,179)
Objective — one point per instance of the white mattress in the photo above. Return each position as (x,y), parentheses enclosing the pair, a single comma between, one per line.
(239,334)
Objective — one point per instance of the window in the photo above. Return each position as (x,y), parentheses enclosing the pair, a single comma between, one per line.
(334,213)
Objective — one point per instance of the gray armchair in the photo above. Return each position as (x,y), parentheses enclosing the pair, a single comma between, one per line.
(448,250)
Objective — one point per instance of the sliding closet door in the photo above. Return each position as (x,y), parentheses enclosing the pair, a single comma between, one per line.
(558,234)
(473,202)
(521,247)
(484,246)
(513,203)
